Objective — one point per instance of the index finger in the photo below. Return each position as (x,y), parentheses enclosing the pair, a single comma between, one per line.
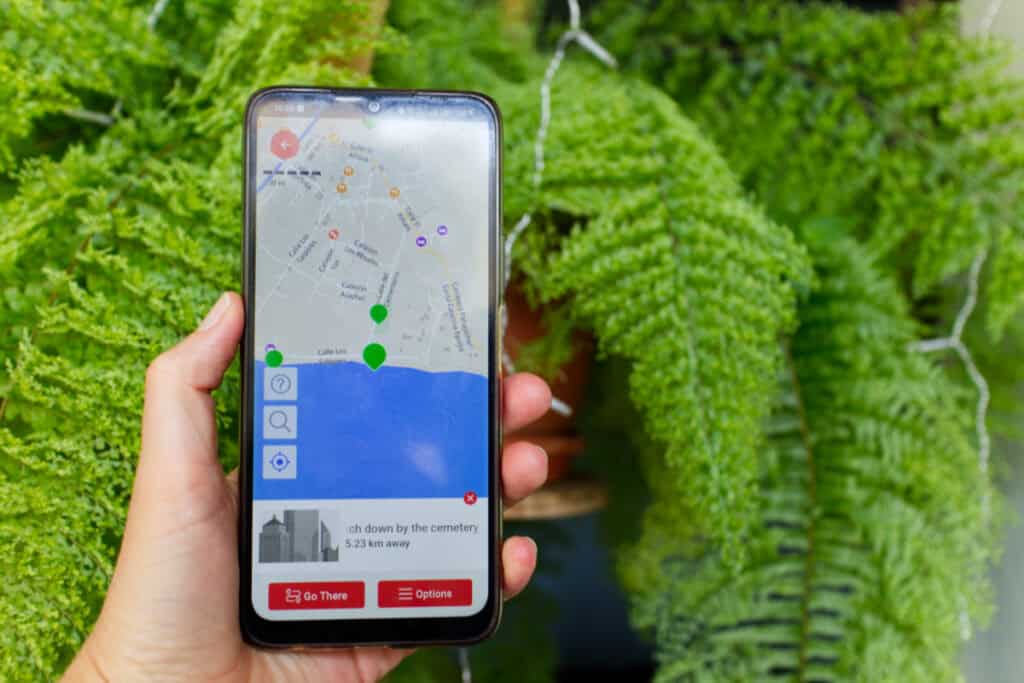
(526,398)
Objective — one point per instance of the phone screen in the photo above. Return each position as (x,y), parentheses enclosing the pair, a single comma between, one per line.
(373,229)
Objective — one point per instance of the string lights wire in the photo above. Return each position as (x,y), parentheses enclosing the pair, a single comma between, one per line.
(573,34)
(154,14)
(955,342)
(955,339)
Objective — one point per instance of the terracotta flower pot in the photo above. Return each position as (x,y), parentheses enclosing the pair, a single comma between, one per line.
(555,433)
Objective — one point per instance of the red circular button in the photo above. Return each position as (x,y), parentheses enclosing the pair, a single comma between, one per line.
(284,144)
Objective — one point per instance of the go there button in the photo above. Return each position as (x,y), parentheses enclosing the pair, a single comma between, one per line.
(425,593)
(317,595)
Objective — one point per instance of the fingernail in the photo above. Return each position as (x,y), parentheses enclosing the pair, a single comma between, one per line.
(545,459)
(216,313)
(528,554)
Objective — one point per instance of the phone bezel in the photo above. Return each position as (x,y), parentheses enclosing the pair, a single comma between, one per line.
(398,632)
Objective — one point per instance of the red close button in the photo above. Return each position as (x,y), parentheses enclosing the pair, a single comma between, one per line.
(317,595)
(425,593)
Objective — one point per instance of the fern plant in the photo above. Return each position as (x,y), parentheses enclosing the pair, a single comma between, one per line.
(875,537)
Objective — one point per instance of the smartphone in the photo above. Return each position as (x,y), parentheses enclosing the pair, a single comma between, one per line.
(370,432)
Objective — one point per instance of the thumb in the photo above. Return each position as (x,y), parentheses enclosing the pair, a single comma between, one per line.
(198,362)
(179,432)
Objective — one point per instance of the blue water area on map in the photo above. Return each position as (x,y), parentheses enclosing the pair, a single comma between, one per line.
(390,433)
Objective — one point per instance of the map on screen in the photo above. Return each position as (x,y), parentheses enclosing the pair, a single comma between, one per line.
(371,316)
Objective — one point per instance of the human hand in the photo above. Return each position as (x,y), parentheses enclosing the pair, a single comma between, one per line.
(171,612)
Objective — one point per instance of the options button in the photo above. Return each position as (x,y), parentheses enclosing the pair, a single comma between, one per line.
(425,593)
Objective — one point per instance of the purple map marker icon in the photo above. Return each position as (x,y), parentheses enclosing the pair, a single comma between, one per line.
(442,230)
(421,241)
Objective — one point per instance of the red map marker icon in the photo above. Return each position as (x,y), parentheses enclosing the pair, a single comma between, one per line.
(469,498)
(284,144)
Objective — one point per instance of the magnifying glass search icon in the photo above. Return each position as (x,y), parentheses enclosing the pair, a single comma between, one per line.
(279,420)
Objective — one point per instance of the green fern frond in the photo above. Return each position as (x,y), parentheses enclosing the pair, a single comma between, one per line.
(895,121)
(269,43)
(874,549)
(60,58)
(57,555)
(676,272)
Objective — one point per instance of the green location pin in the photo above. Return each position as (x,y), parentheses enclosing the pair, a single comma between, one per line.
(374,355)
(274,358)
(379,313)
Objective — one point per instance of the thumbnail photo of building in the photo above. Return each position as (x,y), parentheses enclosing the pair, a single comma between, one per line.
(301,537)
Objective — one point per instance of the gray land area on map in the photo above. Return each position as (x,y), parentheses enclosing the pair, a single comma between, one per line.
(393,213)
